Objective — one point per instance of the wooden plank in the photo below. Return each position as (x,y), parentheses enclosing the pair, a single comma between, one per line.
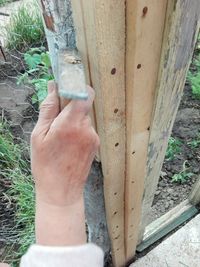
(83,50)
(194,196)
(145,24)
(167,223)
(104,27)
(181,29)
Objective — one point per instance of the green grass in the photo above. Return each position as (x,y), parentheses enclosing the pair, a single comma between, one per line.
(25,29)
(174,148)
(15,168)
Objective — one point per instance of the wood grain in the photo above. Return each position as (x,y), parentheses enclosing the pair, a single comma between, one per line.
(181,28)
(104,28)
(143,49)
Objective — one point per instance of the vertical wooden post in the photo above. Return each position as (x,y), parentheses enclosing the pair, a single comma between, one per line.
(145,24)
(181,29)
(104,28)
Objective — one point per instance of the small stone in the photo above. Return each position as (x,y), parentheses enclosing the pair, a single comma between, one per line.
(161,183)
(190,156)
(157,192)
(196,170)
(166,205)
(162,209)
(170,191)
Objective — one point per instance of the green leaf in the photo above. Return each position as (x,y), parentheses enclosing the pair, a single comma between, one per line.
(45,60)
(32,60)
(34,99)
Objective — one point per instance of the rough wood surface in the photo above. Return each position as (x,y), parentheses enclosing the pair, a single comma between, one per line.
(194,196)
(104,27)
(143,49)
(181,29)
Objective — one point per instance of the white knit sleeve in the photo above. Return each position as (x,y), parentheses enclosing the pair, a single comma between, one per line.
(88,255)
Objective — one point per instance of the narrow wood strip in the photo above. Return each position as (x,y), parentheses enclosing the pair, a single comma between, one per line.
(167,223)
(145,24)
(104,27)
(194,196)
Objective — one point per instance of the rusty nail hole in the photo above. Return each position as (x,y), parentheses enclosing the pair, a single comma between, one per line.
(133,152)
(113,71)
(116,144)
(116,110)
(139,66)
(145,10)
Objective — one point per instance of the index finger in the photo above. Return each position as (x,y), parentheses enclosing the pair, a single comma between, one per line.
(82,107)
(79,108)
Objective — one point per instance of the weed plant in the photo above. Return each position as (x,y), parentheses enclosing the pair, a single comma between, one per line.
(174,148)
(25,28)
(183,175)
(38,72)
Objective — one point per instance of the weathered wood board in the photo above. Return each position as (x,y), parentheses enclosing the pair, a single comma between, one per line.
(181,28)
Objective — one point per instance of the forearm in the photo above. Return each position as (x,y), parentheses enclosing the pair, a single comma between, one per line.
(60,225)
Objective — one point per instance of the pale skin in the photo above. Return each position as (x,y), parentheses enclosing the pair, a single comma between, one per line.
(63,146)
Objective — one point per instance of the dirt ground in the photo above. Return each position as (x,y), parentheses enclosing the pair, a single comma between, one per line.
(186,128)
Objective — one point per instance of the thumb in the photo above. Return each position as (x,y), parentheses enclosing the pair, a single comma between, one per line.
(49,109)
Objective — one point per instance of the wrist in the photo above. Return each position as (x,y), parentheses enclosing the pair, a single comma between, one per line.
(60,225)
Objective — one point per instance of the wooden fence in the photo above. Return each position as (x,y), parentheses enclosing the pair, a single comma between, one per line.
(136,55)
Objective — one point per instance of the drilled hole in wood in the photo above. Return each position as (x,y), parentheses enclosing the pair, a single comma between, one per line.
(113,71)
(145,10)
(117,226)
(139,66)
(115,193)
(116,144)
(133,152)
(148,129)
(116,110)
(132,182)
(115,213)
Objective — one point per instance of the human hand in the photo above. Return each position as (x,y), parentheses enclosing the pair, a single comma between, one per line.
(63,146)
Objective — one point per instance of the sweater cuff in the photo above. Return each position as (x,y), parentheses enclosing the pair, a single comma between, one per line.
(85,256)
